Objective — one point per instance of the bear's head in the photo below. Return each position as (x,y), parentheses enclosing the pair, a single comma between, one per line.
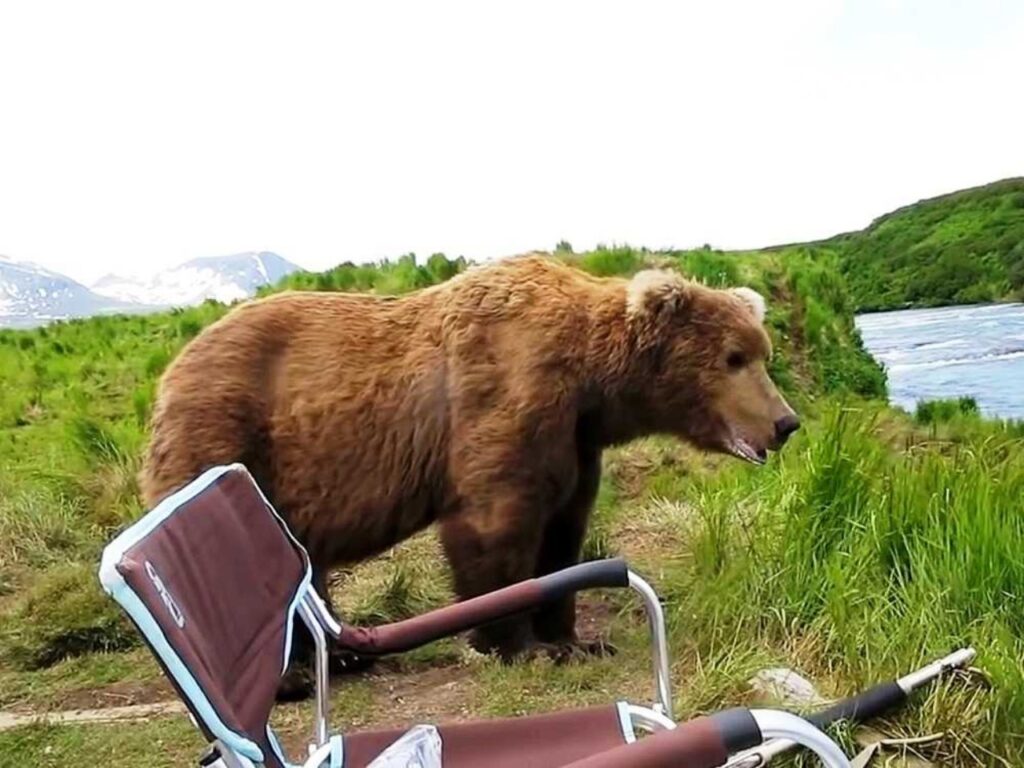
(701,355)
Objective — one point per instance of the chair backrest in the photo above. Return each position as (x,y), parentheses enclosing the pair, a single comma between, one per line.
(212,579)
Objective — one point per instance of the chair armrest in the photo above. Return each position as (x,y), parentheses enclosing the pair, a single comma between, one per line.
(707,742)
(704,742)
(402,636)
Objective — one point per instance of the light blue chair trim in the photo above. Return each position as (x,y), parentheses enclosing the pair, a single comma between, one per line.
(276,746)
(115,585)
(307,578)
(335,758)
(625,722)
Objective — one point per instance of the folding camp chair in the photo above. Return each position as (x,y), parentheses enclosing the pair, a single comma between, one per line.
(213,580)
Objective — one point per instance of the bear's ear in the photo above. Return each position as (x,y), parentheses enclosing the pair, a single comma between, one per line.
(752,299)
(654,293)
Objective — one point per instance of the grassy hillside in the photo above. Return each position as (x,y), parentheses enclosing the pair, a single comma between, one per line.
(872,543)
(75,398)
(961,248)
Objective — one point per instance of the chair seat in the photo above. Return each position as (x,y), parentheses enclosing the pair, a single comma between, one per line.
(535,741)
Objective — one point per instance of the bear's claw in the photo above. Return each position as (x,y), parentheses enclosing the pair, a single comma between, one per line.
(565,652)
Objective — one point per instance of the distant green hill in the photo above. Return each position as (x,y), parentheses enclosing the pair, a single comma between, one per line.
(961,248)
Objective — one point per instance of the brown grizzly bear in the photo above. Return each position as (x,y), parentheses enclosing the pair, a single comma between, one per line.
(482,404)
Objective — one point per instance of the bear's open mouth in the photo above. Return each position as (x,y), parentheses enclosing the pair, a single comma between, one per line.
(740,448)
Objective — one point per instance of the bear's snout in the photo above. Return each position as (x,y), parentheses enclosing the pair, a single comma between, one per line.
(785,427)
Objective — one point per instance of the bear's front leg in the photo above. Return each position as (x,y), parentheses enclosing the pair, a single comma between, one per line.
(560,548)
(491,545)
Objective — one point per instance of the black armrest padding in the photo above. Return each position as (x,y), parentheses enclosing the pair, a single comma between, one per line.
(590,575)
(864,706)
(738,727)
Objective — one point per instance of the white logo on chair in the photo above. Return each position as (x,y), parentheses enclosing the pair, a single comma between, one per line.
(172,607)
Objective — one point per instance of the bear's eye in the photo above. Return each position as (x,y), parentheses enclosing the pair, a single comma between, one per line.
(736,360)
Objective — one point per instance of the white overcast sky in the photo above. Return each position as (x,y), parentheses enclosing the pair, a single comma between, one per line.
(135,135)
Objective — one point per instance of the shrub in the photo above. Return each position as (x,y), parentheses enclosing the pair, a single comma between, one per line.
(95,442)
(605,262)
(142,403)
(64,614)
(955,248)
(711,267)
(189,327)
(945,410)
(157,361)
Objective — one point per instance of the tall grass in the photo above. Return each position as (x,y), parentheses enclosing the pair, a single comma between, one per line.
(881,559)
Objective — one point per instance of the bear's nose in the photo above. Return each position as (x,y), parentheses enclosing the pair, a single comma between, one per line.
(785,427)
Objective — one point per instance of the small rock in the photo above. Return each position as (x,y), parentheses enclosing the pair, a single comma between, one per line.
(787,687)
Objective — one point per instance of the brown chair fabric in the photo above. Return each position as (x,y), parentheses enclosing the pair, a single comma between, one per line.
(219,575)
(419,630)
(696,743)
(538,741)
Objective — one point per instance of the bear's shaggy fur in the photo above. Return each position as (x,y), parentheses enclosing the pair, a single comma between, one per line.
(482,404)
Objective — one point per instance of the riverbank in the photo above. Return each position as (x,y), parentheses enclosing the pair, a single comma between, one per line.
(871,544)
(1000,302)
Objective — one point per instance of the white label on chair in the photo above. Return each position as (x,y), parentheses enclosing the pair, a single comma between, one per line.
(172,607)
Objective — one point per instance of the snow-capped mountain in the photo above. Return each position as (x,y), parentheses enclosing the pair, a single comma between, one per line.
(31,295)
(223,278)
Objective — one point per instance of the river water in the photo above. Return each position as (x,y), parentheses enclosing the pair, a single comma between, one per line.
(950,352)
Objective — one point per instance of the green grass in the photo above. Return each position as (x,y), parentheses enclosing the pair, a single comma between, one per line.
(163,743)
(883,558)
(49,688)
(874,542)
(59,617)
(868,548)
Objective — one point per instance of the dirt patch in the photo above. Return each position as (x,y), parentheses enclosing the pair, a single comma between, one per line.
(104,716)
(395,693)
(593,617)
(121,694)
(440,693)
(400,699)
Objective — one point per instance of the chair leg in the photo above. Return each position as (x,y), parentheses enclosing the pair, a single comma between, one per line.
(326,756)
(222,757)
(321,672)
